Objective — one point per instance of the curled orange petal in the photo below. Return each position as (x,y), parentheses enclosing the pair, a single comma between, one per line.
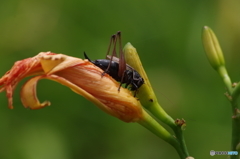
(79,75)
(28,94)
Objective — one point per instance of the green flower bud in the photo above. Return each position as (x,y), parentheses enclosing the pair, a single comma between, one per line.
(212,48)
(146,94)
(215,56)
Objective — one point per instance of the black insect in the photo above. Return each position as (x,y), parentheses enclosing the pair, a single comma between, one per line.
(118,68)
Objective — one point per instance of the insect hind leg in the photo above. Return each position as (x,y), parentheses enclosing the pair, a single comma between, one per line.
(112,40)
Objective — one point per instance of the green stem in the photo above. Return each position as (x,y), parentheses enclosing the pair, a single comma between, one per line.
(226,79)
(235,129)
(160,114)
(152,125)
(236,92)
(179,135)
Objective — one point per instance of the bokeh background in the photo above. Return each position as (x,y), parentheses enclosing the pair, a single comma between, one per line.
(167,35)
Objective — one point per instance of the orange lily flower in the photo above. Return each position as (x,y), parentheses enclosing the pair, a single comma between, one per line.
(79,75)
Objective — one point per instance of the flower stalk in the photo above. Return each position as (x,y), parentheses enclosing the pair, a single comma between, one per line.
(149,100)
(216,59)
(152,125)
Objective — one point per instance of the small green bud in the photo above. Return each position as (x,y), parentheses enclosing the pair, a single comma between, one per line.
(212,48)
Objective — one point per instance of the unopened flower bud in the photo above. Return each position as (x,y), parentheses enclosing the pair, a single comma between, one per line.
(146,94)
(212,48)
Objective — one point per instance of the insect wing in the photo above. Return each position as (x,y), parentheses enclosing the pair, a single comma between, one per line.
(115,59)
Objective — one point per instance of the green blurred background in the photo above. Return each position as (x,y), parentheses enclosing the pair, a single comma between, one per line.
(167,35)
